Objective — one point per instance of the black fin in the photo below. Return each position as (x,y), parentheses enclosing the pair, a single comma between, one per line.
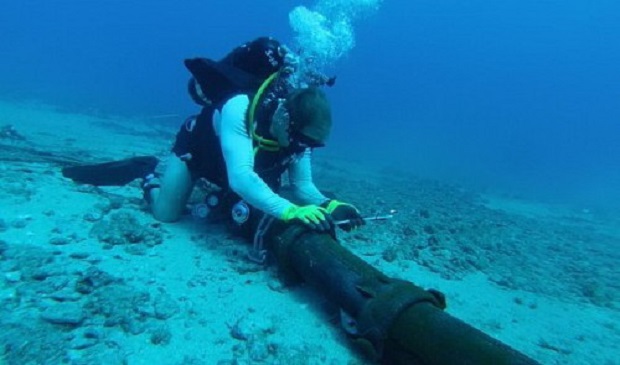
(116,173)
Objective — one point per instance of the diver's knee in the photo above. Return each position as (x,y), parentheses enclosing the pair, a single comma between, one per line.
(165,217)
(164,212)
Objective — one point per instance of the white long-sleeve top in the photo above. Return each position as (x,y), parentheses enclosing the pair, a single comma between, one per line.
(238,150)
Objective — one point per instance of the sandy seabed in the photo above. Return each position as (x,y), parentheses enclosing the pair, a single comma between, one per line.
(89,277)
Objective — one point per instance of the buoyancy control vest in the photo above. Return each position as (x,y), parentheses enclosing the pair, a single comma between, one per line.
(270,161)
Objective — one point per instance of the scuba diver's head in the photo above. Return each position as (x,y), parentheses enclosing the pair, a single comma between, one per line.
(302,120)
(260,57)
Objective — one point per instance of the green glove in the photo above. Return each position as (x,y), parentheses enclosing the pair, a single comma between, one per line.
(312,216)
(345,213)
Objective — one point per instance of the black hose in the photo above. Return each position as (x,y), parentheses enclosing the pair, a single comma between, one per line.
(397,321)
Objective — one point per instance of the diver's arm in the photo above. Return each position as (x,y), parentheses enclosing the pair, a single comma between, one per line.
(300,178)
(169,200)
(239,157)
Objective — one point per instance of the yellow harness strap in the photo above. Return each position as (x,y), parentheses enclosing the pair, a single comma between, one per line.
(261,143)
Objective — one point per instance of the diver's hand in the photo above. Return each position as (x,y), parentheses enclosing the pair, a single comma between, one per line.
(312,216)
(344,215)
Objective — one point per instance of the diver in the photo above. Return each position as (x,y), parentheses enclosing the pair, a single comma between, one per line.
(255,125)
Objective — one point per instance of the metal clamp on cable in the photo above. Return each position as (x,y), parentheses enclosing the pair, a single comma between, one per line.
(387,299)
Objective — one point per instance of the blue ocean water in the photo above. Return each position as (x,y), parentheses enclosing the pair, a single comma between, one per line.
(516,96)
